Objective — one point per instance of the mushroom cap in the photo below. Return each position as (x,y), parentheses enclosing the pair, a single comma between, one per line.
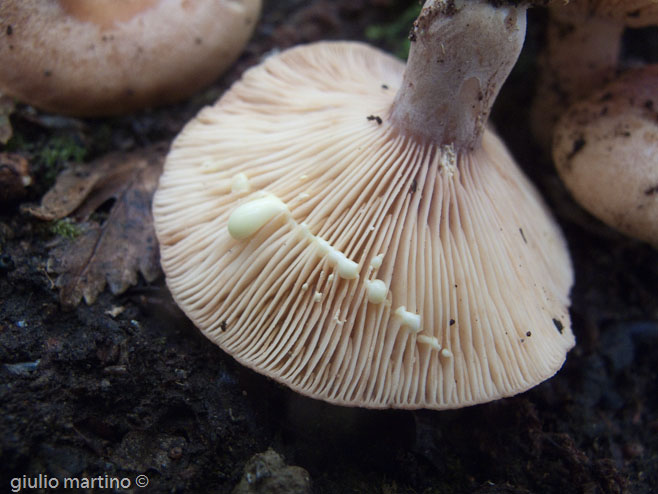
(581,53)
(606,151)
(475,274)
(107,57)
(630,13)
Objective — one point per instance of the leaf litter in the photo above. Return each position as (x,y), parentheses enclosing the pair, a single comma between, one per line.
(109,248)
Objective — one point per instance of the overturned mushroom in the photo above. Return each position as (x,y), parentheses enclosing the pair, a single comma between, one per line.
(350,228)
(606,152)
(104,57)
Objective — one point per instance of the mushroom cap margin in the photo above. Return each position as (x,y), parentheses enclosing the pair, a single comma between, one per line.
(468,244)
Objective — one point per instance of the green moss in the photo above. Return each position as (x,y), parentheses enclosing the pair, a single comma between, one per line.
(17,143)
(59,149)
(65,228)
(395,35)
(48,155)
(49,151)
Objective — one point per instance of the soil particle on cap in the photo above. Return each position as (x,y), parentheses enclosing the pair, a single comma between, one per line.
(651,190)
(606,97)
(578,144)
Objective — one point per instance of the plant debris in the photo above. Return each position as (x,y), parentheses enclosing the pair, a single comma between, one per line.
(14,176)
(266,473)
(109,247)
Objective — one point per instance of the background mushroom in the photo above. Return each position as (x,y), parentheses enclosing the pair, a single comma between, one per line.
(582,53)
(112,56)
(351,229)
(606,152)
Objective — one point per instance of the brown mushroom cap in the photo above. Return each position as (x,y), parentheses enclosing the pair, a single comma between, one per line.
(632,13)
(606,152)
(85,58)
(317,244)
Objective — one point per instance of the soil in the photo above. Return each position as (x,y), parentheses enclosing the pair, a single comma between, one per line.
(127,386)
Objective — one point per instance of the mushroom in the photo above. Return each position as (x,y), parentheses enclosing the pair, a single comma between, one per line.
(583,45)
(385,250)
(107,57)
(632,13)
(606,152)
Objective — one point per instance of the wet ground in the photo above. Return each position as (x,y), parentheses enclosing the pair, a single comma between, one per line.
(128,387)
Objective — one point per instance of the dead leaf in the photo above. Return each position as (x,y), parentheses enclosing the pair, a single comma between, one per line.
(113,250)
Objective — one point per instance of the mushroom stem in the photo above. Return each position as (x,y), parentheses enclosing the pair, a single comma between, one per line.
(581,53)
(461,53)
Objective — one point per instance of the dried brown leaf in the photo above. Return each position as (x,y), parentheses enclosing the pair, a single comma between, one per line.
(112,251)
(73,186)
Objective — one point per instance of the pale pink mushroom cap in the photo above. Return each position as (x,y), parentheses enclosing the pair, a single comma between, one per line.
(316,243)
(105,57)
(606,152)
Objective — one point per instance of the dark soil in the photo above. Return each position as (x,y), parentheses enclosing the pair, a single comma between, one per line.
(84,393)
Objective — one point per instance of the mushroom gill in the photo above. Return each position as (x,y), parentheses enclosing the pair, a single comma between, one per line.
(374,266)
